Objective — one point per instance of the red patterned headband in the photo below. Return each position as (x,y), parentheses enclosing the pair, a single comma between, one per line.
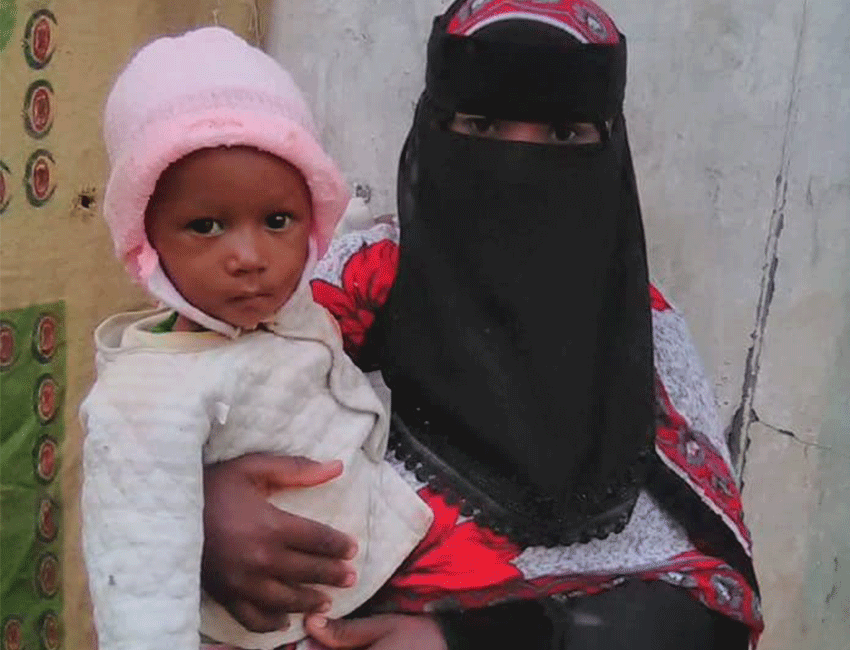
(582,19)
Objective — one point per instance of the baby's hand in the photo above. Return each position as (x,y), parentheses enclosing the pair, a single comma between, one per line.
(380,632)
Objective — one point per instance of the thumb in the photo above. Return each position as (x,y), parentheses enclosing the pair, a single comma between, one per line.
(353,633)
(272,473)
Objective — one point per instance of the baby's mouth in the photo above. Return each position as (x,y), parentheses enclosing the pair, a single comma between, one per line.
(249,297)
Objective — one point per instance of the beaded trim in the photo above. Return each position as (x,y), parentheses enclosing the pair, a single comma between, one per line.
(506,506)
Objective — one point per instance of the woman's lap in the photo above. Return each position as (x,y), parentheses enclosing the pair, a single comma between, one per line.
(637,615)
(643,616)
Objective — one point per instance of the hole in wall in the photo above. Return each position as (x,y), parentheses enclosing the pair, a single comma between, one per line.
(84,203)
(86,199)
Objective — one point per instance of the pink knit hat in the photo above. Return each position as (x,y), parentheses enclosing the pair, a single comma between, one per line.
(206,88)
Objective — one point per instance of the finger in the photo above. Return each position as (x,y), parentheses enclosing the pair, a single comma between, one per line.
(280,472)
(353,633)
(295,567)
(307,536)
(273,596)
(256,619)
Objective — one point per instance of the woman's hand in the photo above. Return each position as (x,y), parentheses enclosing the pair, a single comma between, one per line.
(380,632)
(257,558)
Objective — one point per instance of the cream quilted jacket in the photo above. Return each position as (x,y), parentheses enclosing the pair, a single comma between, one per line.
(165,404)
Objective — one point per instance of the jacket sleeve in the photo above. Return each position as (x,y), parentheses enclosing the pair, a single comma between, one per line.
(142,507)
(353,281)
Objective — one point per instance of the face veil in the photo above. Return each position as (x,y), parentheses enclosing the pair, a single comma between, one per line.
(517,338)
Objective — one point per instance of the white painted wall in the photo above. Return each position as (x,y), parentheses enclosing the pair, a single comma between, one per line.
(738,117)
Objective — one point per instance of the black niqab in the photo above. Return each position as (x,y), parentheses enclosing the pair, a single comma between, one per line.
(517,337)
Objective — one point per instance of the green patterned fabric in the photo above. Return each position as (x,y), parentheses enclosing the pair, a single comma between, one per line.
(32,391)
(165,326)
(7,21)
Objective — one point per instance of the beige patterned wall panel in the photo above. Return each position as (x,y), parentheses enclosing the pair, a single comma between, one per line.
(58,60)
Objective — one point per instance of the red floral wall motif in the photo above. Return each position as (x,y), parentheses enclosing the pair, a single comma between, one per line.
(38,108)
(40,39)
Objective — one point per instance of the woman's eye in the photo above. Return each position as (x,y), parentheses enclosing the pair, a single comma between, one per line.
(562,132)
(574,133)
(481,125)
(473,124)
(278,220)
(209,227)
(478,125)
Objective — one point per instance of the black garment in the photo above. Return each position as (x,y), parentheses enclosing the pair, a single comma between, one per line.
(634,616)
(520,70)
(517,337)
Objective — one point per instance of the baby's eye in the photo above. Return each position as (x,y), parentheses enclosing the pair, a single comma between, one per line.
(278,220)
(208,227)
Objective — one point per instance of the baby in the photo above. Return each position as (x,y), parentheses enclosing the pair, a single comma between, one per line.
(219,201)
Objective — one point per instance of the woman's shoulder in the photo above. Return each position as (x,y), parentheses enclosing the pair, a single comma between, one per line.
(657,301)
(357,250)
(353,279)
(679,367)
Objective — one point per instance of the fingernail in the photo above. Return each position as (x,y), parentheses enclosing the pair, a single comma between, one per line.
(321,621)
(352,551)
(350,579)
(324,607)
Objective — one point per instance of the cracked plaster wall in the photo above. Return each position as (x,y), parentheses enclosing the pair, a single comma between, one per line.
(738,118)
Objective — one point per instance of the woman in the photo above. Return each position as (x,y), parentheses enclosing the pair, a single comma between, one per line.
(547,401)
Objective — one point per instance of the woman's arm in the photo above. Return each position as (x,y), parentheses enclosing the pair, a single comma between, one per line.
(380,632)
(523,624)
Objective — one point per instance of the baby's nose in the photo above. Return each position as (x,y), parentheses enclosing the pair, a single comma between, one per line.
(246,253)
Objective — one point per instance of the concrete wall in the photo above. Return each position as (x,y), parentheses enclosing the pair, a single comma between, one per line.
(738,115)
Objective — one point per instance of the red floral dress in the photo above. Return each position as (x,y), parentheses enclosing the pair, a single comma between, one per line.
(461,564)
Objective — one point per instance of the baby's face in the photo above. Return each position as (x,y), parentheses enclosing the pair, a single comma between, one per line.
(231,227)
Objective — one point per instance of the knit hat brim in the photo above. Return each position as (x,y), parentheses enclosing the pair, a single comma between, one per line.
(163,142)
